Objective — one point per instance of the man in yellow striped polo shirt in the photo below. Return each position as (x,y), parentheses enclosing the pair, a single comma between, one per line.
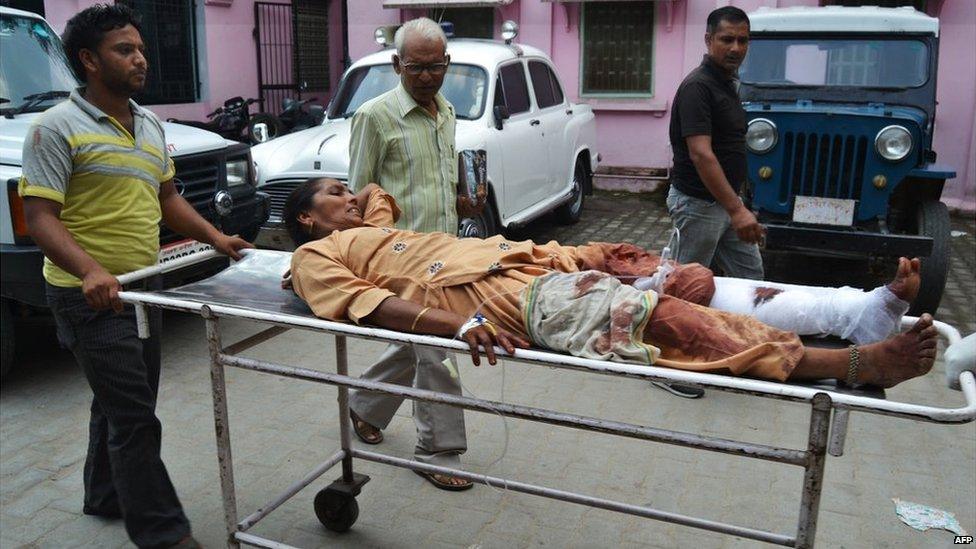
(403,140)
(97,180)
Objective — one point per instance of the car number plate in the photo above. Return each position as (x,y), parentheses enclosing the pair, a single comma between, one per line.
(824,211)
(183,248)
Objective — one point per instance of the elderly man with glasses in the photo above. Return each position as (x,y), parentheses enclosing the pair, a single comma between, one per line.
(403,140)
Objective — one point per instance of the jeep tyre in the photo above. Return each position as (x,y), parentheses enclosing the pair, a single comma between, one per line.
(6,338)
(570,212)
(932,219)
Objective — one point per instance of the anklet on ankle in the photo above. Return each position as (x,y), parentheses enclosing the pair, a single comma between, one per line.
(852,365)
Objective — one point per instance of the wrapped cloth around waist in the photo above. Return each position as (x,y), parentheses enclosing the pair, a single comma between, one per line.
(589,314)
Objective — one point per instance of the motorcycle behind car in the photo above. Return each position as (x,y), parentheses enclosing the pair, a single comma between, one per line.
(235,121)
(298,114)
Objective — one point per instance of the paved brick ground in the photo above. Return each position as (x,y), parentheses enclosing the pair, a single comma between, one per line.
(283,428)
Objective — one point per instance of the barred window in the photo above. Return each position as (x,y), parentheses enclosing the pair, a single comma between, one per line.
(168,32)
(468,22)
(618,42)
(311,19)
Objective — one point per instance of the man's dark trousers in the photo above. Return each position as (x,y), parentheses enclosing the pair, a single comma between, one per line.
(124,473)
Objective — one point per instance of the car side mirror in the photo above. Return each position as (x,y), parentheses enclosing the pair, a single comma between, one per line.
(317,112)
(501,114)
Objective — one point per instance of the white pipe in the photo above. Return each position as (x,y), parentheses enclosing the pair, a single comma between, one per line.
(142,321)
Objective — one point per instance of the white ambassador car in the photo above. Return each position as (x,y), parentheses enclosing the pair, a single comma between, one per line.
(541,150)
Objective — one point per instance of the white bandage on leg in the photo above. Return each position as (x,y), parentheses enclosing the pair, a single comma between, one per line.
(848,313)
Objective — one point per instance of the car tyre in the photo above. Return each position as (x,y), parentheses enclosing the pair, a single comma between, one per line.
(483,225)
(570,212)
(932,219)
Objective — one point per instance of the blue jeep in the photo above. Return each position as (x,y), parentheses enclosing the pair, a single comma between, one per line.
(840,104)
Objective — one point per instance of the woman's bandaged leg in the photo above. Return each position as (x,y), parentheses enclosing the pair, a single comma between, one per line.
(848,313)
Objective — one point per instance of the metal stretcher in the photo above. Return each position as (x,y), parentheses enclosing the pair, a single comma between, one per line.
(250,289)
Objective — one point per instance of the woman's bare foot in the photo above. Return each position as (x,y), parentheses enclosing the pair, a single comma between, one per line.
(902,357)
(907,279)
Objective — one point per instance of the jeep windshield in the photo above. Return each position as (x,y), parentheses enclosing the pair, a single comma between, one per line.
(464,87)
(34,71)
(875,63)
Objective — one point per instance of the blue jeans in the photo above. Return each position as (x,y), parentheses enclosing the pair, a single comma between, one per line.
(124,473)
(706,233)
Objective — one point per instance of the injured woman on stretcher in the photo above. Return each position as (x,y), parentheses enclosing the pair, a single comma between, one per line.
(353,265)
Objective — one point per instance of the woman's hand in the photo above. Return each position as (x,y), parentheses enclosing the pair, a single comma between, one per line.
(488,335)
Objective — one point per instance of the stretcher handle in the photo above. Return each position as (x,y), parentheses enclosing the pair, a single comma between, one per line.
(179,263)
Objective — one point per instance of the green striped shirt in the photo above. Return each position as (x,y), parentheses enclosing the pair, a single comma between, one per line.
(397,144)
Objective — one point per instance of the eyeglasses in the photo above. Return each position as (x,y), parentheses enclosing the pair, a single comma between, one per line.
(434,69)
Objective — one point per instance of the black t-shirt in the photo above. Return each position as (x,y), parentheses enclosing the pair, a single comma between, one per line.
(707,103)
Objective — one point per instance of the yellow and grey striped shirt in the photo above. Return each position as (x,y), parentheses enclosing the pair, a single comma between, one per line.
(400,146)
(106,180)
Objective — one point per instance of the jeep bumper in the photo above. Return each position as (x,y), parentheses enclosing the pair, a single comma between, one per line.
(846,242)
(20,272)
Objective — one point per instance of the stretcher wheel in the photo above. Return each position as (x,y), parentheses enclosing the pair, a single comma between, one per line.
(335,510)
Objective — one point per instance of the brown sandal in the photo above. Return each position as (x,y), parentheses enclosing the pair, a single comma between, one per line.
(445,485)
(375,438)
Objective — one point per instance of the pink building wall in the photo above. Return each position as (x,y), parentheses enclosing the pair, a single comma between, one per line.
(955,137)
(634,133)
(630,132)
(227,56)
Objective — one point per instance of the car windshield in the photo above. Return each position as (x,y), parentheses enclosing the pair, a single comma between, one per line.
(848,62)
(464,87)
(32,62)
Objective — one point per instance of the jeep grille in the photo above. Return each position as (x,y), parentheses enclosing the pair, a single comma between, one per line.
(825,165)
(199,175)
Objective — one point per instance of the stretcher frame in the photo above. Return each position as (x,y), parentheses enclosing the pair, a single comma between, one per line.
(829,411)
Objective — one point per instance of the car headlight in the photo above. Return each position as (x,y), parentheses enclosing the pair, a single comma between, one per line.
(761,136)
(893,143)
(237,172)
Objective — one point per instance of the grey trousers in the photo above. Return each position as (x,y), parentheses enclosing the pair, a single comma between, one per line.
(440,428)
(706,233)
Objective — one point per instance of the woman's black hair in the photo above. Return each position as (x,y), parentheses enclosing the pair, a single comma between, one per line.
(298,202)
(87,28)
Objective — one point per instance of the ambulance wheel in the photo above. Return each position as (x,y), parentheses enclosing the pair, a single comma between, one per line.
(932,219)
(335,510)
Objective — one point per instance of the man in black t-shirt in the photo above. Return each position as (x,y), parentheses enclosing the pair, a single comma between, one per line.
(708,127)
(708,137)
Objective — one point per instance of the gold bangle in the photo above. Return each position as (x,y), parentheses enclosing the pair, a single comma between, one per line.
(490,327)
(852,365)
(413,327)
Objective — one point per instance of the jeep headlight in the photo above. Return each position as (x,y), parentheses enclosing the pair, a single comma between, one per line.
(761,136)
(237,172)
(893,143)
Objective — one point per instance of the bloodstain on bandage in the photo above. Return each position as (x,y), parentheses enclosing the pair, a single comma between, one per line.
(763,295)
(586,281)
